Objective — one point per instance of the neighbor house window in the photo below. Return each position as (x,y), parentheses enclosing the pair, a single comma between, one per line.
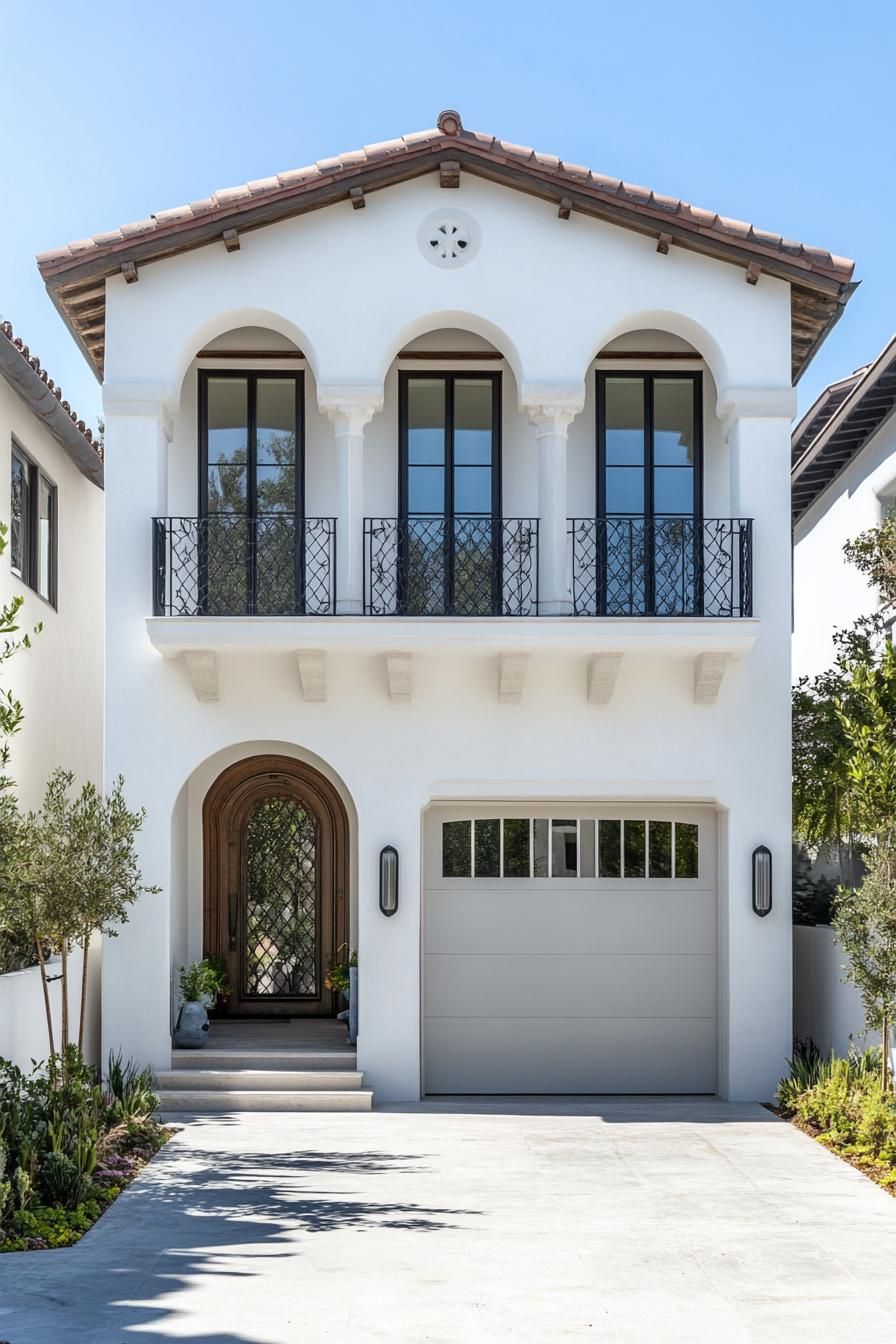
(32,542)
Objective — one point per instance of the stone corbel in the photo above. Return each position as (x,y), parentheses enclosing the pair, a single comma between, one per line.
(313,675)
(603,670)
(400,678)
(709,672)
(202,669)
(512,669)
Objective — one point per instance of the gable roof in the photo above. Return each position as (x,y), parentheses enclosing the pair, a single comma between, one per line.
(27,376)
(834,431)
(75,274)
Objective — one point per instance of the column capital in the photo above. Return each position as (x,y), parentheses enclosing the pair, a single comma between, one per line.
(551,421)
(152,400)
(350,407)
(755,403)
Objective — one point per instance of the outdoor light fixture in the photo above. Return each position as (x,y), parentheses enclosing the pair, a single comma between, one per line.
(389,880)
(762,881)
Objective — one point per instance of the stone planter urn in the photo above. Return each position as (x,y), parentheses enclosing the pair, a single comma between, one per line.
(191,1028)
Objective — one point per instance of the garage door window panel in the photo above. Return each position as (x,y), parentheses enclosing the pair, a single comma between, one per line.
(517,849)
(634,836)
(659,841)
(687,850)
(487,848)
(457,849)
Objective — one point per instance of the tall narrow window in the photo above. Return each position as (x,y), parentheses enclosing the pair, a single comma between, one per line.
(20,508)
(251,492)
(450,492)
(649,492)
(32,542)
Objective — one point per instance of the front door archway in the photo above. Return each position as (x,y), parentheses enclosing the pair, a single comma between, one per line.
(275,838)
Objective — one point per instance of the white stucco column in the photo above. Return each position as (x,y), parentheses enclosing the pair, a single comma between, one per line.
(350,410)
(757,953)
(136,973)
(552,420)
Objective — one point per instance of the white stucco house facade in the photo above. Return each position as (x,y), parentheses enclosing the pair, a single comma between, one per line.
(448,516)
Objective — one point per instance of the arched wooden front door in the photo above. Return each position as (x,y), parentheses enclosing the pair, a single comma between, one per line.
(275,838)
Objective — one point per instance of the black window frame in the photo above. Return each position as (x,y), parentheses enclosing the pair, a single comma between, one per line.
(29,574)
(650,377)
(449,378)
(448,516)
(648,515)
(252,377)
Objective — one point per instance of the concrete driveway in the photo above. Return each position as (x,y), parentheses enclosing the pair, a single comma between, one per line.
(624,1221)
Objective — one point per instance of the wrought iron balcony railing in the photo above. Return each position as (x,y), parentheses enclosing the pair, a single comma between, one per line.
(229,564)
(662,566)
(427,565)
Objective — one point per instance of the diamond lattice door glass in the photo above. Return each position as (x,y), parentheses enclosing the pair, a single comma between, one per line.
(280,918)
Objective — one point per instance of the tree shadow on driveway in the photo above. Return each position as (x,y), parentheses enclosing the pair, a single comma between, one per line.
(195,1213)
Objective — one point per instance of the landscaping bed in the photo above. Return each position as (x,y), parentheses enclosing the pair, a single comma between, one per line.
(843,1104)
(69,1144)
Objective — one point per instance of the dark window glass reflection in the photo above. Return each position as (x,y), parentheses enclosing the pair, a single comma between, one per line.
(456,849)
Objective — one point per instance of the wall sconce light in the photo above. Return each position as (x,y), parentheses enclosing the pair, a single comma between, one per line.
(762,881)
(389,880)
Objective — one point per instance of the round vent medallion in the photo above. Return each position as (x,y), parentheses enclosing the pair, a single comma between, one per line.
(448,238)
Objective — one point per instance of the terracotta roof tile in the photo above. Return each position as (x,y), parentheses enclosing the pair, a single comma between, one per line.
(474,147)
(261,185)
(16,343)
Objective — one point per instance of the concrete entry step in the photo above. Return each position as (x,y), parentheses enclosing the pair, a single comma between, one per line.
(279,1060)
(259,1080)
(206,1102)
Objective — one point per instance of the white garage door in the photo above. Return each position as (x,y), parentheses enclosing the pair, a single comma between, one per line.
(570,951)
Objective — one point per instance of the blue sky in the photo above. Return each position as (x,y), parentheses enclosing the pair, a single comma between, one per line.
(772,112)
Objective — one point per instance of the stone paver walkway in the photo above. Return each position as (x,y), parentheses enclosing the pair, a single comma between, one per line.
(454,1224)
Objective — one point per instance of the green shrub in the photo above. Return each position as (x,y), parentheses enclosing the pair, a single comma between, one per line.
(129,1090)
(67,1149)
(61,1181)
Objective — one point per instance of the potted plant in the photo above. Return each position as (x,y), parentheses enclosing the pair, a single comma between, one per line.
(200,984)
(342,976)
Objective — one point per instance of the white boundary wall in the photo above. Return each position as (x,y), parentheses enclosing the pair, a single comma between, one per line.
(23,1021)
(824,1008)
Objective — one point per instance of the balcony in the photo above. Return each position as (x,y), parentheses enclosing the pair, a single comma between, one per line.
(471,583)
(663,567)
(461,566)
(230,564)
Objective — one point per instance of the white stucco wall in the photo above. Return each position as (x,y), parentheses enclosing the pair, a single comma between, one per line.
(826,1008)
(60,679)
(351,289)
(23,1018)
(829,594)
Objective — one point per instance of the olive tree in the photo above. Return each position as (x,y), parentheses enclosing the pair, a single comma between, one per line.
(865,925)
(71,870)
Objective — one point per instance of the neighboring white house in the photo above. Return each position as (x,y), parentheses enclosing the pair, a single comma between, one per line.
(448,511)
(51,501)
(843,481)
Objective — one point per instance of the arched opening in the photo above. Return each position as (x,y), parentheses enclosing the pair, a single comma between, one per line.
(452,497)
(275,881)
(249,474)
